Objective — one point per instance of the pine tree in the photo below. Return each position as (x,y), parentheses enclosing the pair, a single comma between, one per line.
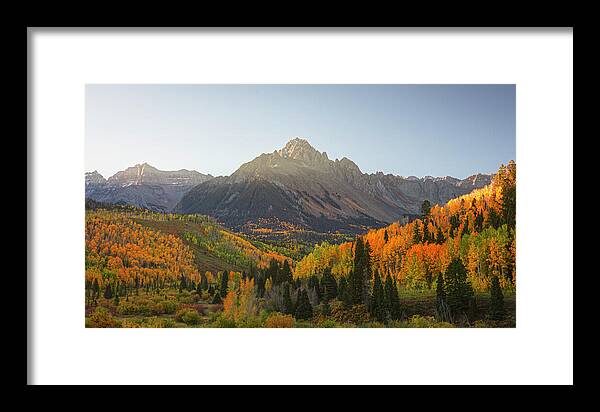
(478,222)
(287,299)
(496,300)
(286,273)
(304,309)
(313,283)
(459,293)
(425,231)
(441,306)
(330,289)
(376,304)
(344,293)
(390,294)
(416,233)
(273,272)
(355,283)
(385,236)
(224,283)
(425,208)
(117,300)
(396,310)
(506,179)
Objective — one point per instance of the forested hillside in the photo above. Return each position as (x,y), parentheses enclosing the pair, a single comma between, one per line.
(128,248)
(453,266)
(477,228)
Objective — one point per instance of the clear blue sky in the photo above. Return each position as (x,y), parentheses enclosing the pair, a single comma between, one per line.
(419,130)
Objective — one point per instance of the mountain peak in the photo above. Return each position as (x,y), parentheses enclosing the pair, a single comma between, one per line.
(299,149)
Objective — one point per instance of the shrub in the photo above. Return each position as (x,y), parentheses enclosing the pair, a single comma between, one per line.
(357,314)
(101,318)
(129,308)
(279,320)
(418,321)
(188,316)
(223,322)
(165,307)
(131,323)
(328,323)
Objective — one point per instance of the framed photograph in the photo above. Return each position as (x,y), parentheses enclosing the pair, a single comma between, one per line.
(323,193)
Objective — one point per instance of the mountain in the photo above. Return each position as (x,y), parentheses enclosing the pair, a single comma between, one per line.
(143,185)
(301,186)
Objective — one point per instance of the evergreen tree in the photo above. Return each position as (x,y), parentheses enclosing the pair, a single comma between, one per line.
(425,231)
(344,293)
(304,309)
(506,179)
(496,300)
(465,229)
(479,222)
(313,283)
(416,233)
(273,272)
(287,299)
(493,219)
(376,305)
(341,287)
(454,223)
(329,285)
(286,273)
(459,293)
(117,300)
(224,283)
(385,236)
(440,292)
(425,208)
(441,306)
(390,295)
(355,283)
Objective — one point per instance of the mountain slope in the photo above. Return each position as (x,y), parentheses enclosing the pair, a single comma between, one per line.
(302,186)
(143,185)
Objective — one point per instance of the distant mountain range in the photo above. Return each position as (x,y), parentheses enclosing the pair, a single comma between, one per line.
(295,185)
(143,185)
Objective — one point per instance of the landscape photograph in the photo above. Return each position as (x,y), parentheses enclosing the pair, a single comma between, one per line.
(300,206)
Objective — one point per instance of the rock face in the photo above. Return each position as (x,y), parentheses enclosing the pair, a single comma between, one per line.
(143,185)
(300,185)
